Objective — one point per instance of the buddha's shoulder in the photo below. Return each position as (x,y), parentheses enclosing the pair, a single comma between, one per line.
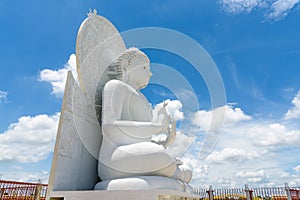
(117,85)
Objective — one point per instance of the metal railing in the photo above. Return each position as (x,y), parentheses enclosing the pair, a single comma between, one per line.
(13,190)
(270,193)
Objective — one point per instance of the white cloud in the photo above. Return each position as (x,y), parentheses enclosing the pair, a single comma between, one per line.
(274,9)
(291,179)
(31,139)
(57,78)
(253,176)
(173,109)
(199,171)
(180,145)
(273,134)
(239,6)
(225,182)
(3,96)
(25,176)
(188,98)
(280,8)
(297,169)
(246,141)
(233,116)
(229,155)
(199,168)
(250,174)
(294,112)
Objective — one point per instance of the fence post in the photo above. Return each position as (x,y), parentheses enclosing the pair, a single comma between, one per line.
(248,192)
(210,192)
(1,192)
(288,192)
(37,192)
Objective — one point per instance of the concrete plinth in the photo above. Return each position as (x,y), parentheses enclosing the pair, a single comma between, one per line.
(123,194)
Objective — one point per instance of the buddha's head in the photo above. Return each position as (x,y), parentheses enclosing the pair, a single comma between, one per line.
(132,67)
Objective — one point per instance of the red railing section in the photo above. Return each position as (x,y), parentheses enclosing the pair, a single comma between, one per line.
(267,193)
(13,190)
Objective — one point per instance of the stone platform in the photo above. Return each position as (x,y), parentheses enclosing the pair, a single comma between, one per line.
(123,194)
(144,183)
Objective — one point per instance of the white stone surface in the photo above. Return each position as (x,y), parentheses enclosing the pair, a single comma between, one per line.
(73,166)
(98,44)
(128,124)
(128,158)
(125,194)
(142,183)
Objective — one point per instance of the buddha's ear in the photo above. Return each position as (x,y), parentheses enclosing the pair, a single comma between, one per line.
(125,68)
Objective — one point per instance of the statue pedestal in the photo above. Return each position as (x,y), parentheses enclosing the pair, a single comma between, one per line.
(144,183)
(123,194)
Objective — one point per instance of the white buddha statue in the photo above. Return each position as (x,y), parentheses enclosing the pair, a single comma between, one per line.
(106,112)
(128,124)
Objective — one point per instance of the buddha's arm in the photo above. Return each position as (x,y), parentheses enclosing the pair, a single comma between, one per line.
(135,128)
(114,96)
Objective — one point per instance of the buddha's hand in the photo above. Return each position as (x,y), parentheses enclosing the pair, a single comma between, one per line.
(163,118)
(178,161)
(171,133)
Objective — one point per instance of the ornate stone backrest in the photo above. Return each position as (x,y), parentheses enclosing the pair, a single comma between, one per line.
(75,158)
(98,45)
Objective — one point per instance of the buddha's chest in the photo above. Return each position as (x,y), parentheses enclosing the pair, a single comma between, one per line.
(136,107)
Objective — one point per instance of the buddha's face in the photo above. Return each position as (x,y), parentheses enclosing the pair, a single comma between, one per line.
(139,72)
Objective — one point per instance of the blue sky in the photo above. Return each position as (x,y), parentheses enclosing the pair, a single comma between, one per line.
(254,43)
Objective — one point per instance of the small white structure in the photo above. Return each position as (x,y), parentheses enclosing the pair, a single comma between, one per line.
(106,124)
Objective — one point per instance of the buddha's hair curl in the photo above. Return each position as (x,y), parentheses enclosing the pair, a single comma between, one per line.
(122,63)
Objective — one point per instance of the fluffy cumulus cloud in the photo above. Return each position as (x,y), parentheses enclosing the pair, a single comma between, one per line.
(253,177)
(200,170)
(30,139)
(3,96)
(57,78)
(173,108)
(293,179)
(246,141)
(180,145)
(274,9)
(203,118)
(274,135)
(229,155)
(294,112)
(297,169)
(22,176)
